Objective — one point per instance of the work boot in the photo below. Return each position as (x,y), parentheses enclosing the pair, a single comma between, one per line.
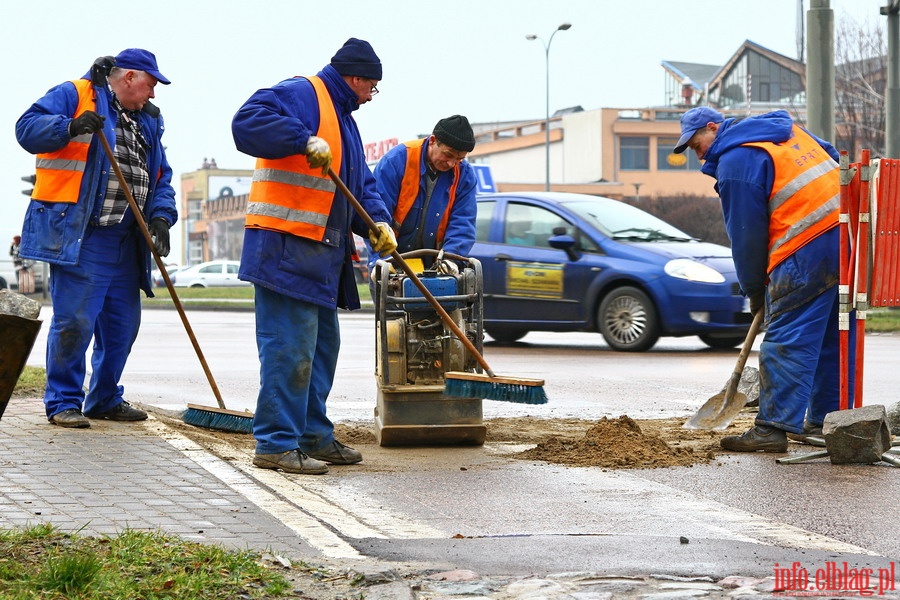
(71,417)
(758,438)
(336,453)
(292,461)
(812,435)
(122,412)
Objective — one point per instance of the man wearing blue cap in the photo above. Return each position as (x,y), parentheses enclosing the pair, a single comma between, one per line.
(780,192)
(80,222)
(298,249)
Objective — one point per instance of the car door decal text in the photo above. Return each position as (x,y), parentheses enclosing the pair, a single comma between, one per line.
(535,280)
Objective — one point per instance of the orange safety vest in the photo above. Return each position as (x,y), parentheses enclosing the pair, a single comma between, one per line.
(409,188)
(289,196)
(59,173)
(805,198)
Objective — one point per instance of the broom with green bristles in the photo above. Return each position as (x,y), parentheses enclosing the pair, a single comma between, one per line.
(459,384)
(201,416)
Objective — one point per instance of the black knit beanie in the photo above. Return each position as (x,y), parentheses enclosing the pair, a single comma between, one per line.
(357,58)
(456,132)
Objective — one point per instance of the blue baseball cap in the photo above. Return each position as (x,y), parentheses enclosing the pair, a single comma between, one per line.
(140,60)
(694,120)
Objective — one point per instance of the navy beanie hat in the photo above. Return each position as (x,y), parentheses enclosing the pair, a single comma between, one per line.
(357,59)
(455,132)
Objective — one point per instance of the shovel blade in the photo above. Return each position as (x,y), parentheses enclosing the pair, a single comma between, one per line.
(718,412)
(19,335)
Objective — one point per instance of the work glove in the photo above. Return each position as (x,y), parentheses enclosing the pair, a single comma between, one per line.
(159,232)
(100,70)
(86,122)
(318,153)
(383,242)
(757,302)
(446,267)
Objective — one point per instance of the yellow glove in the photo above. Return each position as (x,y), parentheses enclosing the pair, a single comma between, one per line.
(318,153)
(384,241)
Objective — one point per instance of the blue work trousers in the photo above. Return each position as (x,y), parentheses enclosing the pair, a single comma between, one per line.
(799,365)
(298,345)
(99,297)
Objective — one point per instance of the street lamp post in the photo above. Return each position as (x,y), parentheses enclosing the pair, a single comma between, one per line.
(531,36)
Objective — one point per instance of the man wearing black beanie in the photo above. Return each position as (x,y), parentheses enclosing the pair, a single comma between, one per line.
(429,188)
(298,246)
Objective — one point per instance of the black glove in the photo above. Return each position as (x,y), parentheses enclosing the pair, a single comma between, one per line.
(87,122)
(757,302)
(159,231)
(100,70)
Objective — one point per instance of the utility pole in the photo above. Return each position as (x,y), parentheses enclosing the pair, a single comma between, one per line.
(892,95)
(820,70)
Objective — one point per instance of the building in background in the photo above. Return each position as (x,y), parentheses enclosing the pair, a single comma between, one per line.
(213,206)
(614,152)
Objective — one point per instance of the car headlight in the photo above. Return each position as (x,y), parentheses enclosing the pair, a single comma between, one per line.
(685,268)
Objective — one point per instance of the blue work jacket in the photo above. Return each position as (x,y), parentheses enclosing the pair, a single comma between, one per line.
(744,178)
(53,231)
(276,122)
(418,231)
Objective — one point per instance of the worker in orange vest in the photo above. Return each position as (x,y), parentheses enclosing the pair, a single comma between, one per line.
(429,188)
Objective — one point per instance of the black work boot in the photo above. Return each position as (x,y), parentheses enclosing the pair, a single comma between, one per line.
(337,453)
(758,438)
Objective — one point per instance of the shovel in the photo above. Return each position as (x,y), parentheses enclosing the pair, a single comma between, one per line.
(720,410)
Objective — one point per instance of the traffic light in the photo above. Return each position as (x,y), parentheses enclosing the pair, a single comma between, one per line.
(30,179)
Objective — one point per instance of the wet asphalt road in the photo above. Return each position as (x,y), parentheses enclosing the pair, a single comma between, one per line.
(474,508)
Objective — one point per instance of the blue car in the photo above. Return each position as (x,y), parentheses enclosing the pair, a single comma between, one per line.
(573,262)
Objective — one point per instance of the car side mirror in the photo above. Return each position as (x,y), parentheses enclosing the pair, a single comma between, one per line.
(566,243)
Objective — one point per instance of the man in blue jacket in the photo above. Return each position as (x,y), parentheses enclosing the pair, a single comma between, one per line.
(429,188)
(80,222)
(779,188)
(298,248)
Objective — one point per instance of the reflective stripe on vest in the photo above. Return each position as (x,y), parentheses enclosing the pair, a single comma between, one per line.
(59,173)
(805,198)
(409,188)
(286,194)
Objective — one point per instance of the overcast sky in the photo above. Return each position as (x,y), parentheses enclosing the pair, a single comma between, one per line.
(469,57)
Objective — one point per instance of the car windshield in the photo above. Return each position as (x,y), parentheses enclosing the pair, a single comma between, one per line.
(621,221)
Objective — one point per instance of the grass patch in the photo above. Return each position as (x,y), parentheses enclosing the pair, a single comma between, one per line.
(235,297)
(41,562)
(883,320)
(31,383)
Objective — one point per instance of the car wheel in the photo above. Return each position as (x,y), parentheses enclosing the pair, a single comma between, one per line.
(627,319)
(506,336)
(197,285)
(722,342)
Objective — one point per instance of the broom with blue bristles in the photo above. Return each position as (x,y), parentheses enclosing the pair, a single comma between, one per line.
(201,416)
(459,384)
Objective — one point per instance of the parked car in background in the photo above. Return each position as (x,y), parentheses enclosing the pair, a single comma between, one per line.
(156,278)
(573,262)
(215,273)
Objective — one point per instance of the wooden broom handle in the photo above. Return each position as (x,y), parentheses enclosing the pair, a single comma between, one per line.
(139,217)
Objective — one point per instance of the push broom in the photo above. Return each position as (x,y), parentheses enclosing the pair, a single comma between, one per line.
(457,383)
(201,416)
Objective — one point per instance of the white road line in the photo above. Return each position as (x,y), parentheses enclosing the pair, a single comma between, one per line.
(305,507)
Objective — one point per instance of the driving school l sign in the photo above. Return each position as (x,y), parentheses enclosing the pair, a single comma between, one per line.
(535,280)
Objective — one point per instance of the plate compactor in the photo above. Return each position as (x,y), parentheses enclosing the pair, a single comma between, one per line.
(414,348)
